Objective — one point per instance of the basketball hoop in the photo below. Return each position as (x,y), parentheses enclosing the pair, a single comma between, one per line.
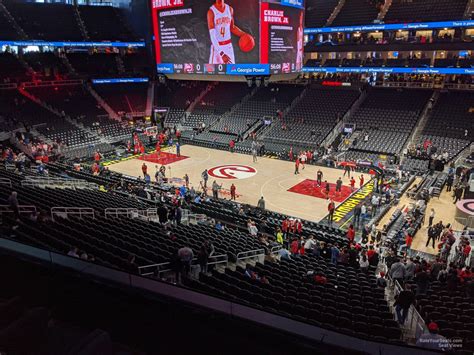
(151,131)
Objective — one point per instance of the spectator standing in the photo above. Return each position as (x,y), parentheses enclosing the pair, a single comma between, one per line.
(331,208)
(422,281)
(381,281)
(215,189)
(432,235)
(14,205)
(185,255)
(410,268)
(375,204)
(351,234)
(297,166)
(319,177)
(431,217)
(347,170)
(402,304)
(397,272)
(458,191)
(178,215)
(309,245)
(364,263)
(205,177)
(338,186)
(335,252)
(203,256)
(279,236)
(449,182)
(261,204)
(232,192)
(162,214)
(132,267)
(178,149)
(327,189)
(357,213)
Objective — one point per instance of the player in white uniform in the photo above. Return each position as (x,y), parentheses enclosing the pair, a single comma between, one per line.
(220,21)
(299,45)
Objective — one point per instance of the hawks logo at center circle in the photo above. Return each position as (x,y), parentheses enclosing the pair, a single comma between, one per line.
(232,172)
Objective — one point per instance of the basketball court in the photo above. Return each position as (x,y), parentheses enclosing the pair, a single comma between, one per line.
(283,191)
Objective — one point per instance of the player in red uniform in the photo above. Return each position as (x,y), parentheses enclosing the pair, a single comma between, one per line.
(352,183)
(158,149)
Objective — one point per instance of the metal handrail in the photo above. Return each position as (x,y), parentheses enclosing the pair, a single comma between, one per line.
(276,249)
(147,215)
(250,254)
(157,269)
(196,218)
(65,212)
(116,212)
(415,318)
(23,209)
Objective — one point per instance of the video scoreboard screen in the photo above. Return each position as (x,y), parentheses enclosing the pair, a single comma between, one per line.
(230,37)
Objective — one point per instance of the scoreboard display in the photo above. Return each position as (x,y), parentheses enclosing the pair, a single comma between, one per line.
(229,37)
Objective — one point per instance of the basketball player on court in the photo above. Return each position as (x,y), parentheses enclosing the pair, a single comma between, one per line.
(220,21)
(299,44)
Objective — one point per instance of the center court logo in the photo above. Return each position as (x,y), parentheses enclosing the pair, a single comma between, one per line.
(230,172)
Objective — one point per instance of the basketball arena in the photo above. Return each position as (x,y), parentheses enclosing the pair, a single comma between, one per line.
(236,176)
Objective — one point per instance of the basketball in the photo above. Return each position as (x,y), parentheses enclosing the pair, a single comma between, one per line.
(246,43)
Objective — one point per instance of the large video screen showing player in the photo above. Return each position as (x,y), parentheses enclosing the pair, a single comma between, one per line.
(234,37)
(282,36)
(203,36)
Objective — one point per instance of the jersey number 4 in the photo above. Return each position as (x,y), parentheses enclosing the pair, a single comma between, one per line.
(222,32)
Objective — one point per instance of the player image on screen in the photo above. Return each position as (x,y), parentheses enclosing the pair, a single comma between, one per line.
(299,46)
(220,21)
